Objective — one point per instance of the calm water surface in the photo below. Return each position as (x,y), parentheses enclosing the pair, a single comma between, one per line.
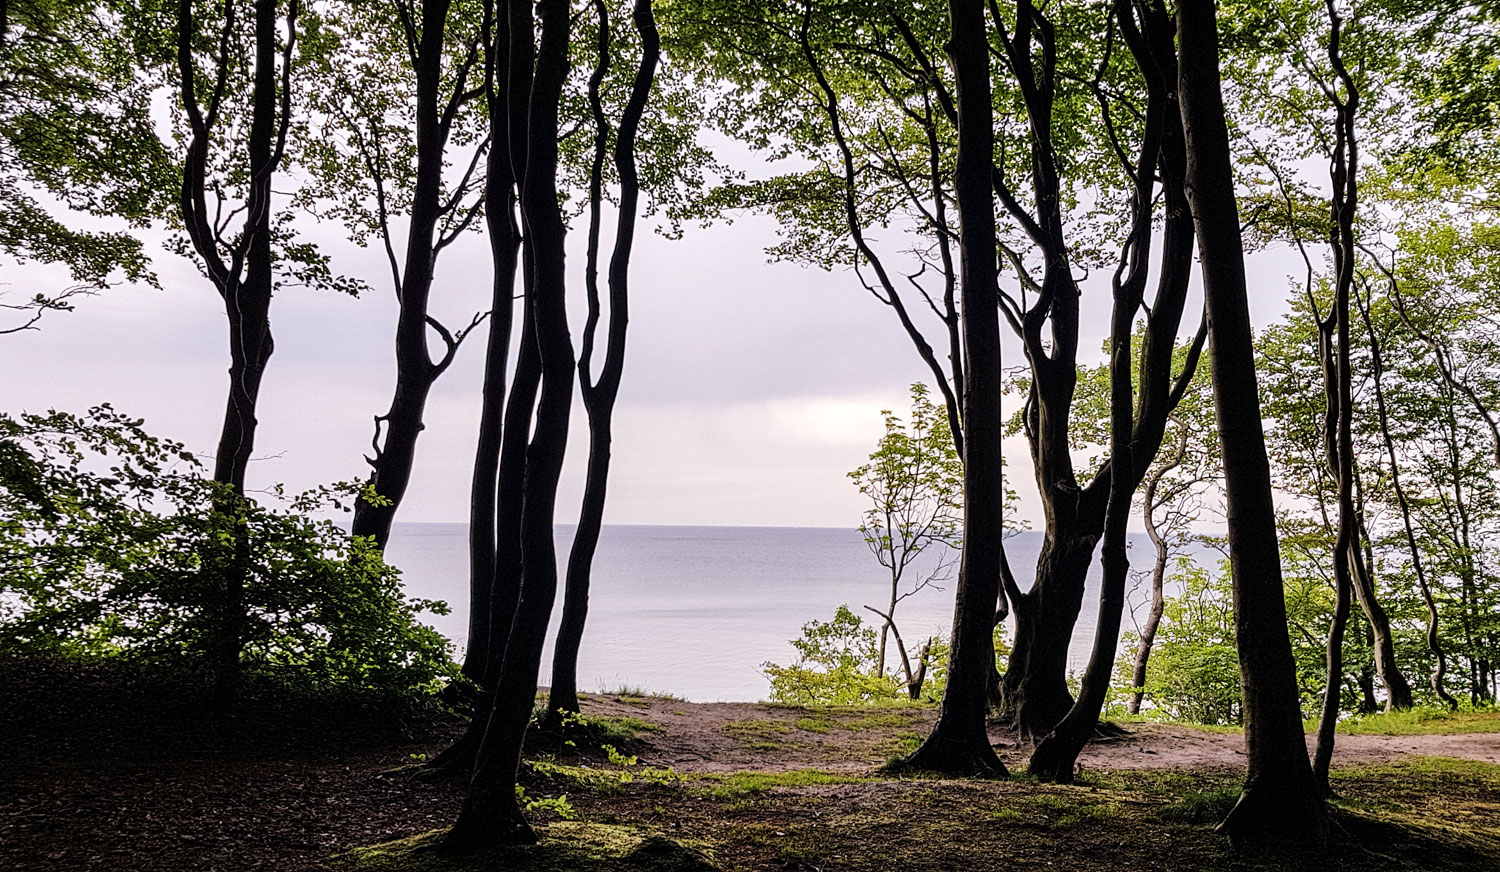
(695,611)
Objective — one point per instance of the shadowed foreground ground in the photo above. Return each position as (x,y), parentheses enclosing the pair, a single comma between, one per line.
(105,775)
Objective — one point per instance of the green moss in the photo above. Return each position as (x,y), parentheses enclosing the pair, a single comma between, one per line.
(563,847)
(761,735)
(738,784)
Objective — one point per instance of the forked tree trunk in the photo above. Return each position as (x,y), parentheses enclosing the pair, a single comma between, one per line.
(959,742)
(508,58)
(491,815)
(243,276)
(599,399)
(1280,802)
(416,371)
(1057,753)
(1033,694)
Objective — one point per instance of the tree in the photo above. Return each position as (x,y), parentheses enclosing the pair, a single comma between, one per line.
(241,262)
(914,482)
(1150,42)
(490,815)
(395,92)
(959,742)
(599,396)
(1280,800)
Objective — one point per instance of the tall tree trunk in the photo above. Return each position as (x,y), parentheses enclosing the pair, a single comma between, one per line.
(1280,802)
(508,58)
(505,243)
(1033,693)
(243,276)
(959,743)
(490,815)
(415,369)
(1057,753)
(599,399)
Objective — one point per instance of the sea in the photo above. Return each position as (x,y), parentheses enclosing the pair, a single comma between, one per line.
(697,611)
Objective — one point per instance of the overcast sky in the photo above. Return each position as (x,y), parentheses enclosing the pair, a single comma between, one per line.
(750,388)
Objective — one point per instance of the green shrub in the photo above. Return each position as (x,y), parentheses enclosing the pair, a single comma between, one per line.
(113,545)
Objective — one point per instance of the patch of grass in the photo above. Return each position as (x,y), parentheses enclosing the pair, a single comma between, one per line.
(822,720)
(1428,773)
(1203,807)
(1424,721)
(759,735)
(568,846)
(620,729)
(634,693)
(739,784)
(604,780)
(1005,814)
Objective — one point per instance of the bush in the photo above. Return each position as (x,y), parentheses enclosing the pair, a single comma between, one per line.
(113,545)
(835,666)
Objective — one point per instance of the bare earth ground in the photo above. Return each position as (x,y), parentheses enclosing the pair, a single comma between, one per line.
(100,775)
(722,737)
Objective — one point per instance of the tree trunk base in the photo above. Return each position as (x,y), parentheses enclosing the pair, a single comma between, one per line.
(486,822)
(965,759)
(1031,713)
(457,759)
(1055,759)
(1281,820)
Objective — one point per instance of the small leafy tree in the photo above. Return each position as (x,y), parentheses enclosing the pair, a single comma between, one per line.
(914,480)
(836,665)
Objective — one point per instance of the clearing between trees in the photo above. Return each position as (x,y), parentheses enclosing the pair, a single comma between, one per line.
(105,774)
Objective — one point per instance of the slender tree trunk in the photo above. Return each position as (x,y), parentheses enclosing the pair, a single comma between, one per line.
(415,369)
(245,283)
(505,242)
(1280,802)
(1434,640)
(1162,557)
(599,399)
(490,815)
(959,743)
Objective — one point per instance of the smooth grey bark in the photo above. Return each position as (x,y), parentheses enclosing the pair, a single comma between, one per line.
(959,742)
(1280,803)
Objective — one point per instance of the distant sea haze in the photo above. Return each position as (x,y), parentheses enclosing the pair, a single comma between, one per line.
(695,611)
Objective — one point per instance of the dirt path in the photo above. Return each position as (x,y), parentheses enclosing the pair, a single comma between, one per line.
(726,737)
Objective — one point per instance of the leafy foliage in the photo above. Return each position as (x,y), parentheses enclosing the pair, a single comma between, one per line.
(111,545)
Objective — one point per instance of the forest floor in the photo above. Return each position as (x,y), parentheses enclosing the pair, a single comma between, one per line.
(101,774)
